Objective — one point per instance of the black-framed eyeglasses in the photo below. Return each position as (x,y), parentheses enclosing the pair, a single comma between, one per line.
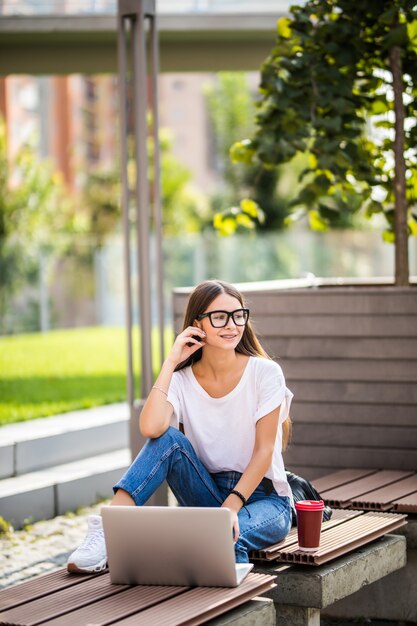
(219,319)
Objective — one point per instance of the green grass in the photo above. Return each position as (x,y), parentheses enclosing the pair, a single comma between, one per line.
(60,371)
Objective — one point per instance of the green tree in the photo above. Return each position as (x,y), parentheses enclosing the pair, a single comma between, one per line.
(340,86)
(231,111)
(231,108)
(33,208)
(184,208)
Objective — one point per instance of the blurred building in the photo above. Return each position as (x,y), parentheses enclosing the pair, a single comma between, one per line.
(74,121)
(70,119)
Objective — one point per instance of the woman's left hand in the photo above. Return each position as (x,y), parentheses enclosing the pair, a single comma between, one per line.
(235,525)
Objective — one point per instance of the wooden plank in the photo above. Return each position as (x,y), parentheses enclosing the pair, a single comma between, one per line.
(408,504)
(129,602)
(340,458)
(343,477)
(354,392)
(344,538)
(339,347)
(351,302)
(354,302)
(382,498)
(200,604)
(355,490)
(350,369)
(309,472)
(63,601)
(38,587)
(337,326)
(342,435)
(370,414)
(339,516)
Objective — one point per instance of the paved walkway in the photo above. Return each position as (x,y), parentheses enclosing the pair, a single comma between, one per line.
(42,547)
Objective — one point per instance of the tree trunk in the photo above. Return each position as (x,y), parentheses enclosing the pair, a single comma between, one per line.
(400,205)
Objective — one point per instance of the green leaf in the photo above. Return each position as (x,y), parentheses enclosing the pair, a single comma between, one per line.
(396,37)
(250,207)
(388,236)
(412,33)
(242,152)
(373,208)
(379,107)
(412,226)
(218,220)
(228,226)
(387,17)
(283,27)
(316,221)
(244,220)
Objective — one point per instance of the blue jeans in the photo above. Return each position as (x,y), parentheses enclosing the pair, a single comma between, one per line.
(265,520)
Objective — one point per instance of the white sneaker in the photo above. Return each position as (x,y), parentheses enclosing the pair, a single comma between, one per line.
(91,556)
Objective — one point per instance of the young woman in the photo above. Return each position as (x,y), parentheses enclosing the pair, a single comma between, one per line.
(216,422)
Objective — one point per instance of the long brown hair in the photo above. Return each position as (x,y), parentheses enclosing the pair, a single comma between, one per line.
(201,297)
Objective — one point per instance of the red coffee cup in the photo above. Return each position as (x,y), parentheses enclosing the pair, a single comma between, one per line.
(309,519)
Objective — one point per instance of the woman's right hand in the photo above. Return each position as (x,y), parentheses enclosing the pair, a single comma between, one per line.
(186,343)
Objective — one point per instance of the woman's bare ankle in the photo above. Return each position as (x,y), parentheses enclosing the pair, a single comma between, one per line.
(122,498)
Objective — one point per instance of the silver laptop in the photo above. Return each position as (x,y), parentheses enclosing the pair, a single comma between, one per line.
(168,545)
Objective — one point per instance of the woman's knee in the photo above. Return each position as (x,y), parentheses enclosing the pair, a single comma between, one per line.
(172,434)
(172,437)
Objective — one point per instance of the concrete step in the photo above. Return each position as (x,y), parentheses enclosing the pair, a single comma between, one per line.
(49,492)
(42,443)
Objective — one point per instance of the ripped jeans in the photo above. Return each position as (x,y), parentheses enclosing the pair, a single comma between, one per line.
(265,520)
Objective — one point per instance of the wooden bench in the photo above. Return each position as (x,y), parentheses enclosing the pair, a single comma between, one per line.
(394,597)
(60,599)
(302,591)
(307,583)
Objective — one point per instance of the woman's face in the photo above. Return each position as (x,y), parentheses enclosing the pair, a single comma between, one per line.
(228,336)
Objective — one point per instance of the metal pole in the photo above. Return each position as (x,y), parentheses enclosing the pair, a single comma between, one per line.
(140,109)
(123,103)
(157,188)
(134,13)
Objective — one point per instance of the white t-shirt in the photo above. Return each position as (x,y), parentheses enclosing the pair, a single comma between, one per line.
(222,430)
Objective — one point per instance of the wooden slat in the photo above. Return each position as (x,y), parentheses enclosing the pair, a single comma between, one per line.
(55,604)
(337,479)
(370,414)
(338,457)
(336,325)
(330,301)
(349,436)
(408,504)
(348,392)
(107,611)
(311,473)
(339,347)
(382,499)
(345,538)
(323,298)
(351,369)
(94,600)
(38,587)
(200,604)
(339,516)
(348,493)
